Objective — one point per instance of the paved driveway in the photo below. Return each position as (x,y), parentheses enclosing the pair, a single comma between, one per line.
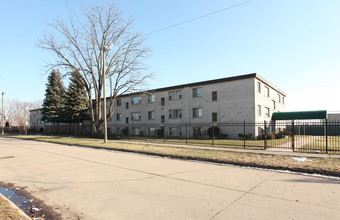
(99,184)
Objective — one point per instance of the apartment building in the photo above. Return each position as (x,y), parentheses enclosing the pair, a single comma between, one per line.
(190,109)
(35,119)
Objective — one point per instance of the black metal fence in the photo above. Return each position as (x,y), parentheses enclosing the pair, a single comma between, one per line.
(315,136)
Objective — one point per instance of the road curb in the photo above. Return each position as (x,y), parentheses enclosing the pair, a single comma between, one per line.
(16,208)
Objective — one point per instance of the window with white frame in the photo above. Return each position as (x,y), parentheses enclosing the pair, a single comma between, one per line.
(136,100)
(118,117)
(283,100)
(259,108)
(152,131)
(175,113)
(173,95)
(136,131)
(274,104)
(266,91)
(175,131)
(136,116)
(196,92)
(197,112)
(267,112)
(151,115)
(278,98)
(151,98)
(258,87)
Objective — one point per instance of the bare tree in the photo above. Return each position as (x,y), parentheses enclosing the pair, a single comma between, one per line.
(99,39)
(17,112)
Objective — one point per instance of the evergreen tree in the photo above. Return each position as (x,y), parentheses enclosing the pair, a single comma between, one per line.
(76,103)
(54,102)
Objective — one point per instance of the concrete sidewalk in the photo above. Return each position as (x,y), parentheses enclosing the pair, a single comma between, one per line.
(270,151)
(87,183)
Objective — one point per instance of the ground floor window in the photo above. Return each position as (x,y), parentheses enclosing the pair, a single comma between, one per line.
(136,131)
(198,132)
(152,131)
(175,131)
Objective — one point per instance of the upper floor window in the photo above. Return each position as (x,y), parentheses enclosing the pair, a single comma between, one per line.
(274,104)
(197,112)
(136,116)
(283,100)
(214,116)
(214,95)
(127,105)
(162,101)
(173,95)
(119,102)
(259,110)
(176,113)
(136,100)
(151,115)
(278,97)
(266,91)
(197,92)
(267,112)
(258,87)
(118,117)
(151,98)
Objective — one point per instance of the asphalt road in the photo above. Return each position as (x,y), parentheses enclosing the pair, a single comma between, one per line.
(99,184)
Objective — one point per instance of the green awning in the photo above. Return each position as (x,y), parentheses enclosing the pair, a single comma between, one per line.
(299,115)
(59,120)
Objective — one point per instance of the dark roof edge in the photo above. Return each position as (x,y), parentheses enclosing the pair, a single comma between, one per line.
(233,78)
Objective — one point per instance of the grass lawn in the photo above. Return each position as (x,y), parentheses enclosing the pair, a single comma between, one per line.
(328,166)
(319,144)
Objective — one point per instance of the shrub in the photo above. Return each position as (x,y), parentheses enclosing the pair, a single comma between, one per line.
(269,136)
(245,136)
(216,132)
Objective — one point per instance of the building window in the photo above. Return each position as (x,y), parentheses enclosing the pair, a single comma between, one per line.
(127,120)
(279,97)
(274,104)
(266,91)
(119,102)
(176,113)
(151,98)
(151,115)
(152,131)
(118,117)
(136,131)
(197,112)
(197,92)
(197,132)
(175,131)
(136,116)
(267,112)
(175,95)
(136,100)
(162,118)
(258,87)
(259,110)
(214,96)
(214,116)
(127,105)
(162,101)
(283,100)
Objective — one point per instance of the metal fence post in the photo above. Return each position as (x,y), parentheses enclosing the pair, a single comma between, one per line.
(129,132)
(265,135)
(145,132)
(212,136)
(293,144)
(244,134)
(164,133)
(186,132)
(326,134)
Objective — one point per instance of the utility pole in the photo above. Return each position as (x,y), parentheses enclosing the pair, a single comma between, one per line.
(104,50)
(3,115)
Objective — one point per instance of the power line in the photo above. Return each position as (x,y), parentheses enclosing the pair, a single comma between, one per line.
(199,17)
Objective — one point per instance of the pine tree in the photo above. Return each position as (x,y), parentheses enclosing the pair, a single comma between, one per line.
(54,102)
(76,99)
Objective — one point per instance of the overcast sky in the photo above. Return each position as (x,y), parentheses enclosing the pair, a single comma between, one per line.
(292,44)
